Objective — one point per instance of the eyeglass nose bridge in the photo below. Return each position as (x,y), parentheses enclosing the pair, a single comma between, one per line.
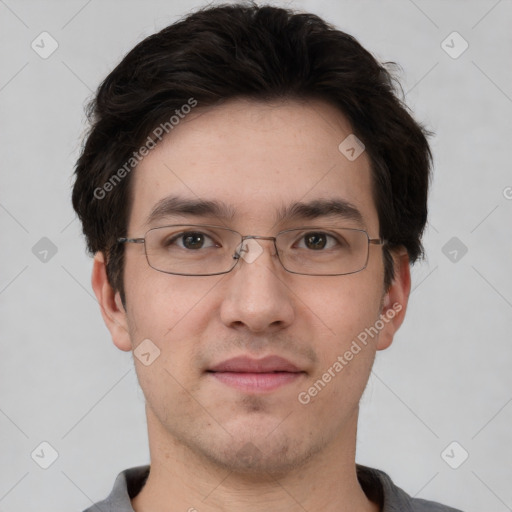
(240,249)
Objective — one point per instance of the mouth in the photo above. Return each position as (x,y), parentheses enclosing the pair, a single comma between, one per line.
(256,375)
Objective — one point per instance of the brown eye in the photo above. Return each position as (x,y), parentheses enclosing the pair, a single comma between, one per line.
(193,240)
(315,241)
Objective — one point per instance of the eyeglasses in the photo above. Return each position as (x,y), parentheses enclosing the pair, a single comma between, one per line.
(206,250)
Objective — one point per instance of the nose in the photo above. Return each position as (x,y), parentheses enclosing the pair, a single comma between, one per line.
(256,295)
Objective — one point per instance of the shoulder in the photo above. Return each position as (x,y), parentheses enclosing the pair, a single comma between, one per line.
(126,486)
(379,487)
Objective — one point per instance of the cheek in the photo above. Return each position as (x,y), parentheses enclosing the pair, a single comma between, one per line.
(345,305)
(160,304)
(170,311)
(345,315)
(167,390)
(164,318)
(346,355)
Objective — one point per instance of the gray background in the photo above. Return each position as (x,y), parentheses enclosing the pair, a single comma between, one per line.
(446,377)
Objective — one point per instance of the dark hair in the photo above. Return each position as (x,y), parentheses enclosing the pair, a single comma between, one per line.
(260,53)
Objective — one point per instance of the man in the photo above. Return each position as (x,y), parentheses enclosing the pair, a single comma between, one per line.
(253,193)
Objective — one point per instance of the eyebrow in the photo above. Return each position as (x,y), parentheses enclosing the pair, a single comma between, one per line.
(336,208)
(174,205)
(177,206)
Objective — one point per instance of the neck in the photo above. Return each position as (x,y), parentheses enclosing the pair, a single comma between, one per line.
(183,480)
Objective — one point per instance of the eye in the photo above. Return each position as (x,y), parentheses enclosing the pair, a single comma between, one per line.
(317,241)
(192,240)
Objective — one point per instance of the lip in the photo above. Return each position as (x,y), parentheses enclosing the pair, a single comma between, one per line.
(244,364)
(256,375)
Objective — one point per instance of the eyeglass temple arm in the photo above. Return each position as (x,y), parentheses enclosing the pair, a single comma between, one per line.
(131,240)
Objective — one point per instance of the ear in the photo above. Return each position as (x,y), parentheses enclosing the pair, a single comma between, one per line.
(394,302)
(112,309)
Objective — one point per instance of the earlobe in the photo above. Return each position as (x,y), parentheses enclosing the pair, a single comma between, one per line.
(109,300)
(394,303)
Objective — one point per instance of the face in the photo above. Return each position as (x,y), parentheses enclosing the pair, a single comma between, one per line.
(259,413)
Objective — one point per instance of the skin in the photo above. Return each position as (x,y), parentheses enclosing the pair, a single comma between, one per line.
(257,158)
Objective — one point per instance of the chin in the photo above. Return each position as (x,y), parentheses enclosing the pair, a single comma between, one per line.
(262,455)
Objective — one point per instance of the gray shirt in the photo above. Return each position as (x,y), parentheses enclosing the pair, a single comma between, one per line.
(376,484)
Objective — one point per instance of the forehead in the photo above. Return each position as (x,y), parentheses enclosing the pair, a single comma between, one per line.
(256,159)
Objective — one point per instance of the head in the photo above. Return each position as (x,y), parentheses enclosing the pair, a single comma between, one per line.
(246,107)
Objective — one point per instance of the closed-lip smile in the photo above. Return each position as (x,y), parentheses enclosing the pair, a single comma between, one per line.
(256,375)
